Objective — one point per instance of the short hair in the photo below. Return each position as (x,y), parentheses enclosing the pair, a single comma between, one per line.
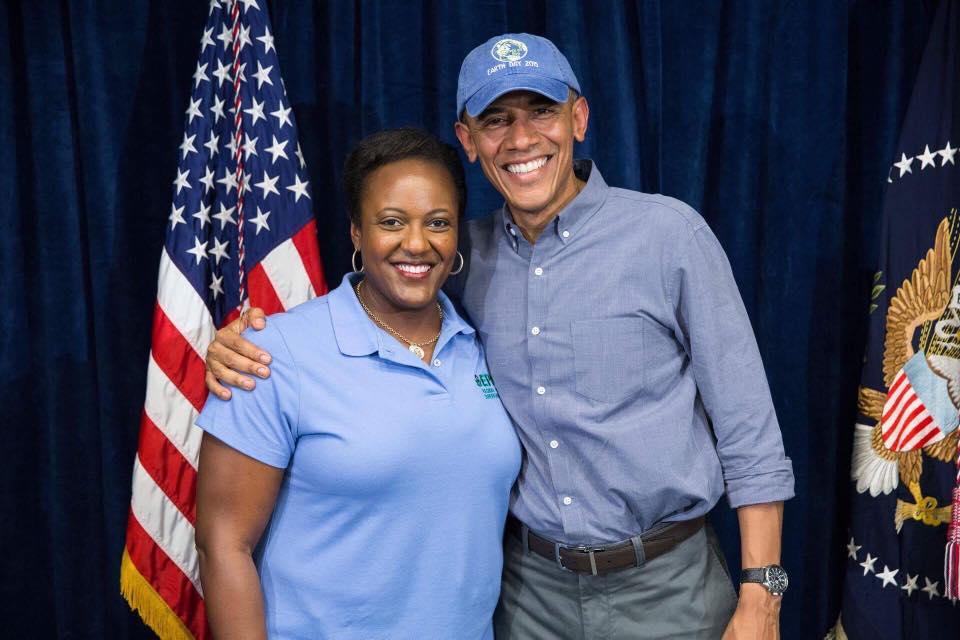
(392,145)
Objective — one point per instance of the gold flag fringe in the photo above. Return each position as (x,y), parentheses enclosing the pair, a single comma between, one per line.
(837,633)
(153,609)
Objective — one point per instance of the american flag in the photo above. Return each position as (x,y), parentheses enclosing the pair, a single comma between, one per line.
(240,232)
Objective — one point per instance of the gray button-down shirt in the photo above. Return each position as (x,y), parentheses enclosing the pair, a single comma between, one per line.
(621,349)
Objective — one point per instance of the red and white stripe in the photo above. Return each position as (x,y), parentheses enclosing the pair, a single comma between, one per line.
(160,532)
(907,425)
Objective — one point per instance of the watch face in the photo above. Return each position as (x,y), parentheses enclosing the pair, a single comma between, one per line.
(776,579)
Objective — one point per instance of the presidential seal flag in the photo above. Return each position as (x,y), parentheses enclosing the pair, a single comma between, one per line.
(902,577)
(240,232)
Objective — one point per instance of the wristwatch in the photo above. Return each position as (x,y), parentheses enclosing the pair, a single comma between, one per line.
(773,577)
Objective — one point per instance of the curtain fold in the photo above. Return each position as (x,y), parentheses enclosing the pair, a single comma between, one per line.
(776,120)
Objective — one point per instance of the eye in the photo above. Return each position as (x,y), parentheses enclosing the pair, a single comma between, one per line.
(494,121)
(439,223)
(543,112)
(390,223)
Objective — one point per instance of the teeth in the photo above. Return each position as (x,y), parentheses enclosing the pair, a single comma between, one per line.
(527,167)
(414,268)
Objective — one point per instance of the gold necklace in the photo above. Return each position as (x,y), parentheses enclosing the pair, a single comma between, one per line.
(416,348)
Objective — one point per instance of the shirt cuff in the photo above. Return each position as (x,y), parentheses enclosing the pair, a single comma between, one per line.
(772,484)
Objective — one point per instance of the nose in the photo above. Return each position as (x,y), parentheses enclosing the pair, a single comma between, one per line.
(415,240)
(521,134)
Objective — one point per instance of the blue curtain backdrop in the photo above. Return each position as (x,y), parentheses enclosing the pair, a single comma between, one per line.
(777,120)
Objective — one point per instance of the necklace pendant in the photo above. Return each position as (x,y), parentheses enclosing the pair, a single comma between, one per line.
(417,350)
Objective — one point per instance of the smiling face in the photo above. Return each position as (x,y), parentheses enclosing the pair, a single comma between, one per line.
(407,235)
(524,142)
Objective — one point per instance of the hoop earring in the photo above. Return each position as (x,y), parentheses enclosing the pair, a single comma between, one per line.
(462,261)
(353,262)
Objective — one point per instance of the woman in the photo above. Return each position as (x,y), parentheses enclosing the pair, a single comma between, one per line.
(371,471)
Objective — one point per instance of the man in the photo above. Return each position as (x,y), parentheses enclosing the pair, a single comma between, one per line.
(621,349)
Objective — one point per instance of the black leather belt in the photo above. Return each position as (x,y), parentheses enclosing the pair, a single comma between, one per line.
(598,560)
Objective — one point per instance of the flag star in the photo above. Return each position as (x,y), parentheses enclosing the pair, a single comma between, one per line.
(200,75)
(931,588)
(229,180)
(267,40)
(868,564)
(181,181)
(263,75)
(194,110)
(268,185)
(206,40)
(240,74)
(207,180)
(232,146)
(216,286)
(176,216)
(222,74)
(199,250)
(282,115)
(244,37)
(249,146)
(225,215)
(926,158)
(888,576)
(946,155)
(226,36)
(217,109)
(299,188)
(904,164)
(852,549)
(214,5)
(245,181)
(261,220)
(249,3)
(203,215)
(911,584)
(276,150)
(220,250)
(187,145)
(303,164)
(212,144)
(255,112)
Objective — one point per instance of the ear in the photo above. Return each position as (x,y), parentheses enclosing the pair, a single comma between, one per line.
(355,236)
(466,140)
(581,114)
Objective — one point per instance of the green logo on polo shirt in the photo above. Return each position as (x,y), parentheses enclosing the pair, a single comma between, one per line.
(485,383)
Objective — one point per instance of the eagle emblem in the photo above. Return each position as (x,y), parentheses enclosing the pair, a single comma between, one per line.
(919,412)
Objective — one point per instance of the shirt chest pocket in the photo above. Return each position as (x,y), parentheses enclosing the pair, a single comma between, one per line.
(608,358)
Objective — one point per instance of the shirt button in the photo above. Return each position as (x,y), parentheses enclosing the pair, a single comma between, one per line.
(567,500)
(437,362)
(565,234)
(541,390)
(535,331)
(554,444)
(513,231)
(538,271)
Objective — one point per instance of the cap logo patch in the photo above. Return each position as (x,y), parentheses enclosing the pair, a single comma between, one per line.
(508,50)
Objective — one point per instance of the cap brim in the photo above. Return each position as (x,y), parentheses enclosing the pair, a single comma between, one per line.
(556,90)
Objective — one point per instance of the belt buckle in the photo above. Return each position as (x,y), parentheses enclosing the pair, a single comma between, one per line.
(589,550)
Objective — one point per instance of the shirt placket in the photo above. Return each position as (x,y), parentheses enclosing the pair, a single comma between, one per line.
(546,395)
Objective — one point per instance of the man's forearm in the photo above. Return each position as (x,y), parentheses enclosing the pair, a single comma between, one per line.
(232,595)
(761,527)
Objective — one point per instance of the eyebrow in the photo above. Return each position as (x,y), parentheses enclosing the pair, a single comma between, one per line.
(404,212)
(537,101)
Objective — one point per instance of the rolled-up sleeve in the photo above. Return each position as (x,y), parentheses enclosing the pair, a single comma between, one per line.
(729,374)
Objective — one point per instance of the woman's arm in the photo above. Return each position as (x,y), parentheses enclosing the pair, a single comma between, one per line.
(235,497)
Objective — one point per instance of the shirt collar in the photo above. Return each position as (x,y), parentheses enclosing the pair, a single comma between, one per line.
(356,333)
(572,217)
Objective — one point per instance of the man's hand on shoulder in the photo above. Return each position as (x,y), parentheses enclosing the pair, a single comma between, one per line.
(757,616)
(230,355)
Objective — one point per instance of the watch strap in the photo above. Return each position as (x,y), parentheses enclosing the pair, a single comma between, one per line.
(754,575)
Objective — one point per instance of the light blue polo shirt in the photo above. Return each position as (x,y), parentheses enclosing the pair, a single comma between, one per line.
(389,521)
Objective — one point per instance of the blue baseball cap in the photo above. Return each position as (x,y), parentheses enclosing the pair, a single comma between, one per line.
(513,62)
